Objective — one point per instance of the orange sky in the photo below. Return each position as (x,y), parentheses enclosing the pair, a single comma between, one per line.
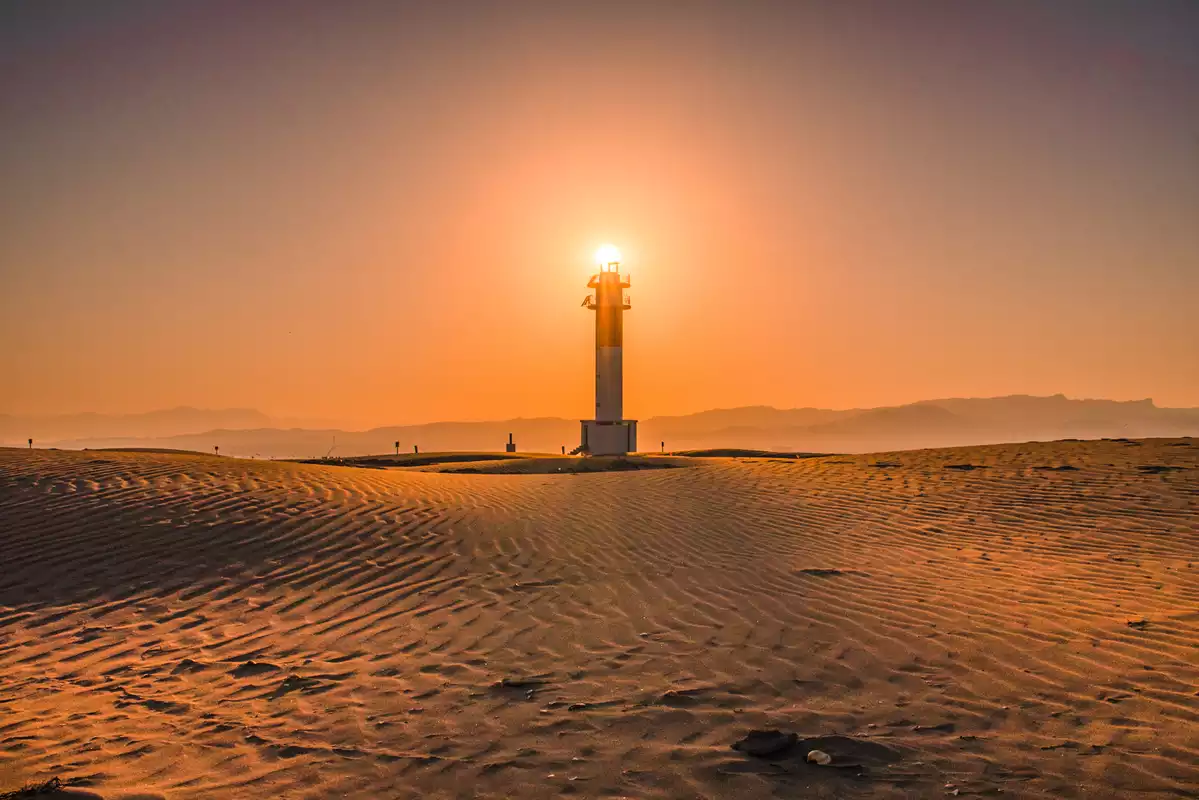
(378,213)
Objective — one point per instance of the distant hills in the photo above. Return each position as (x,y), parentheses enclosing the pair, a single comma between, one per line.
(930,423)
(167,422)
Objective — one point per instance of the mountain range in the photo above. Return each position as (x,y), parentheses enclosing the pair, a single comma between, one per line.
(929,423)
(165,422)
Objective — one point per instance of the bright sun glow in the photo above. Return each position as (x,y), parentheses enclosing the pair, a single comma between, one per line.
(607,254)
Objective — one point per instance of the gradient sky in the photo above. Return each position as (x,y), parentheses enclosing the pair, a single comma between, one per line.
(378,212)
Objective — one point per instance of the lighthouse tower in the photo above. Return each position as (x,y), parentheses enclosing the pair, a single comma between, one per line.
(609,433)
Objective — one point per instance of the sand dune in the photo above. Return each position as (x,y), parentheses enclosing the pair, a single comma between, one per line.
(1022,618)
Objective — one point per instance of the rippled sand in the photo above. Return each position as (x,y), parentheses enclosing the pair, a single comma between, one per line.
(196,627)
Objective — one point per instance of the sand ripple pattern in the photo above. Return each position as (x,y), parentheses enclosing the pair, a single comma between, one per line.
(1015,617)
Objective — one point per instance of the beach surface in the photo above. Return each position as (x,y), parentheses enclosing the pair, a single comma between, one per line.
(1015,620)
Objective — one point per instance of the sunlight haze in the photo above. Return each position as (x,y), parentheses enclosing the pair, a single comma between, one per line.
(387,213)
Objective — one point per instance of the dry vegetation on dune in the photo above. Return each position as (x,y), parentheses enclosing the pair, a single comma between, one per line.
(505,463)
(1014,617)
(399,460)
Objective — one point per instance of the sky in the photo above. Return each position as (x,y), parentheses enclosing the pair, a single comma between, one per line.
(382,213)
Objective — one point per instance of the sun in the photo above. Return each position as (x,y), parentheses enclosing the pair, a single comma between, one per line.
(607,254)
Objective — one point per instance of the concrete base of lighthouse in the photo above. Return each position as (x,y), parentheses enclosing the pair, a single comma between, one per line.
(609,438)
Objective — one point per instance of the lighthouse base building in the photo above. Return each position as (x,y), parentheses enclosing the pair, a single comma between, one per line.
(609,434)
(609,438)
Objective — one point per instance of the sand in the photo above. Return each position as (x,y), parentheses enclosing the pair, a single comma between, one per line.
(1016,618)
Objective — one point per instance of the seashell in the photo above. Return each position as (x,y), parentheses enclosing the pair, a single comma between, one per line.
(819,757)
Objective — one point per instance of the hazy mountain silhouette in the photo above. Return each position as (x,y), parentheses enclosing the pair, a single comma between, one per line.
(746,417)
(537,435)
(930,423)
(166,422)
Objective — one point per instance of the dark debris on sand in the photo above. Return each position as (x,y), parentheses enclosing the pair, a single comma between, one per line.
(765,744)
(519,683)
(825,572)
(51,787)
(251,668)
(847,752)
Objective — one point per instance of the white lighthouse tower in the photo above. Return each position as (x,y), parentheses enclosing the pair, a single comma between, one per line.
(609,433)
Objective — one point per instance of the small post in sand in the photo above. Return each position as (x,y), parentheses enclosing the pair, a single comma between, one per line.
(216,449)
(416,449)
(30,444)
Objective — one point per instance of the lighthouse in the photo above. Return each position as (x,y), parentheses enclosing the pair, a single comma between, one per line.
(609,433)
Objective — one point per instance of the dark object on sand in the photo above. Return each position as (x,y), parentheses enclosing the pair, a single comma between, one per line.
(764,744)
(835,751)
(851,753)
(964,467)
(54,786)
(249,669)
(519,683)
(1157,469)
